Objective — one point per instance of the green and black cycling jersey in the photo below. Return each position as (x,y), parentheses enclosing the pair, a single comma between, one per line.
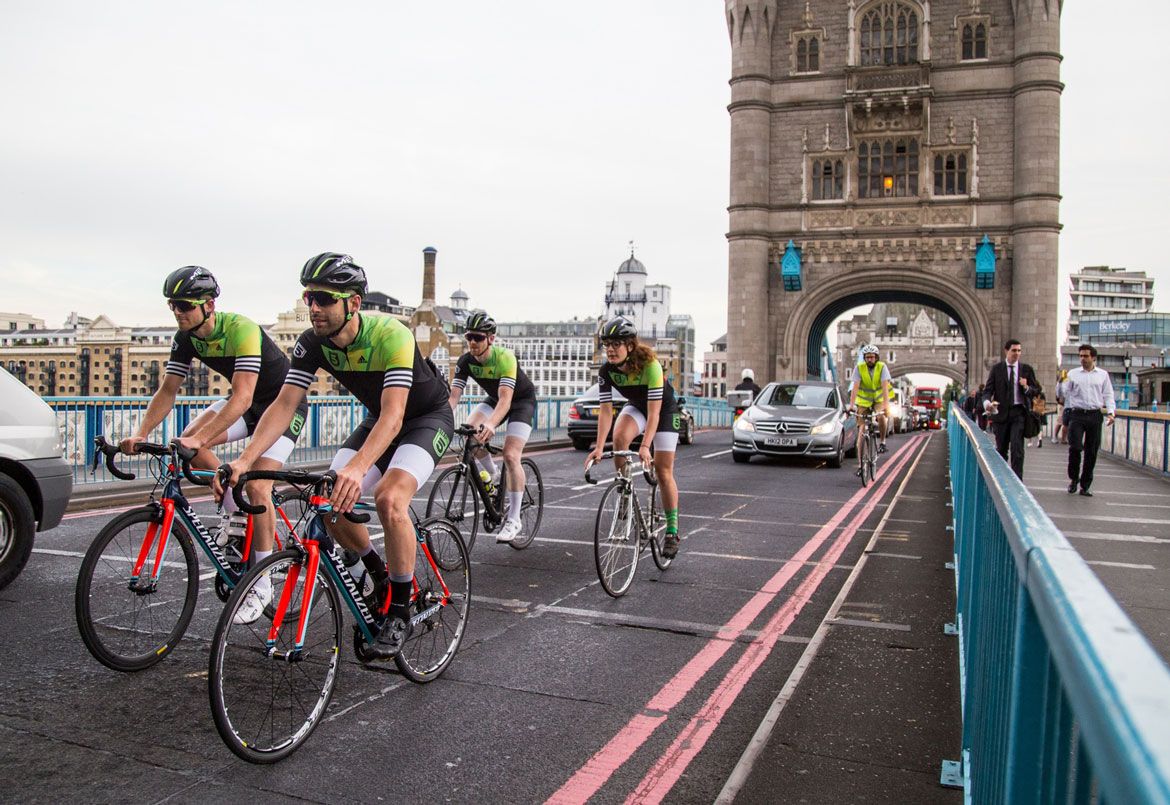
(236,344)
(639,389)
(384,355)
(500,370)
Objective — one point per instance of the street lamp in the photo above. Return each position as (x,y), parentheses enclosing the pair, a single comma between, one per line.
(1128,361)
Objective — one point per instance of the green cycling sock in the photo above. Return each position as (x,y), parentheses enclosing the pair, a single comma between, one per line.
(671,521)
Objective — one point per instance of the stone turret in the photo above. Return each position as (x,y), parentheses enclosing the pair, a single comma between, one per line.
(1036,194)
(751,25)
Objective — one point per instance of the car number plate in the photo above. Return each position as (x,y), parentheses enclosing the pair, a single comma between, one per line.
(591,411)
(780,441)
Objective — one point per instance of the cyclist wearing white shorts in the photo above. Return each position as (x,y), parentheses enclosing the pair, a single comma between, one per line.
(510,396)
(650,410)
(237,348)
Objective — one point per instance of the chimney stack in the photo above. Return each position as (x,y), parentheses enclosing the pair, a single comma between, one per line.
(428,290)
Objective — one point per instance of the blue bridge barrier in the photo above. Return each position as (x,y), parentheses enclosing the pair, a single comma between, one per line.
(330,421)
(1063,699)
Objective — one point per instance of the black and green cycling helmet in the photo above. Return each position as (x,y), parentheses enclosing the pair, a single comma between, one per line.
(478,321)
(619,328)
(190,282)
(336,271)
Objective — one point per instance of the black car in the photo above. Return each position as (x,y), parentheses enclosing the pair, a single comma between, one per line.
(583,418)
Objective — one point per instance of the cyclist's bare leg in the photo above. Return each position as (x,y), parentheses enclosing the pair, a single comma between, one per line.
(354,536)
(392,497)
(480,454)
(513,449)
(860,434)
(260,493)
(664,469)
(624,432)
(882,425)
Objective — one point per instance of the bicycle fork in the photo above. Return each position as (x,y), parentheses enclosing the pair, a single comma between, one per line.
(161,530)
(313,550)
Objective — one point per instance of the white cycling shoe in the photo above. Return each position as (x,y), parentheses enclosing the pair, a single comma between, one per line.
(509,531)
(253,607)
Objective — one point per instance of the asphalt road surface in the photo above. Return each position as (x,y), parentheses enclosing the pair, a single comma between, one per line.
(558,692)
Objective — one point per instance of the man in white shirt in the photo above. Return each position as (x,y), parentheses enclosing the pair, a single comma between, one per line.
(1086,391)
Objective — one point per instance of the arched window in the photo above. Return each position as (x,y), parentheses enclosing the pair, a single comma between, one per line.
(828,179)
(889,35)
(950,174)
(887,168)
(808,54)
(974,41)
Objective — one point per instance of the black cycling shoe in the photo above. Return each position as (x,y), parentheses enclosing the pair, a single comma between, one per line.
(670,546)
(393,636)
(882,447)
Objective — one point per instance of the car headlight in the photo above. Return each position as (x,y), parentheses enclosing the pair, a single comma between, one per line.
(744,424)
(824,427)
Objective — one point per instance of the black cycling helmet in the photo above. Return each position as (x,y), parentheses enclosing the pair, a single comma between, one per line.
(478,321)
(619,328)
(337,271)
(190,282)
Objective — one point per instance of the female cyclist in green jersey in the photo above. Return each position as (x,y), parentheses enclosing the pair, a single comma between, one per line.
(650,410)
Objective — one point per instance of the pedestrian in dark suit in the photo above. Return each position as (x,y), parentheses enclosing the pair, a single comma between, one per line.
(1007,400)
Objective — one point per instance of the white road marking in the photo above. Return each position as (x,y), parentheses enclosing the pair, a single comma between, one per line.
(893,555)
(1109,518)
(579,488)
(720,453)
(1113,537)
(897,627)
(1126,565)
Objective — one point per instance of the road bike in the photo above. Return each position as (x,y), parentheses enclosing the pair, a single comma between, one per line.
(270,681)
(623,529)
(459,492)
(867,449)
(139,580)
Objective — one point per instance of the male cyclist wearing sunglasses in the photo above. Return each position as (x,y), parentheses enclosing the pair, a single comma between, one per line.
(510,396)
(237,348)
(394,449)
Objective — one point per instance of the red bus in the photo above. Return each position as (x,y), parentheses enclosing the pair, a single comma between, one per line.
(928,398)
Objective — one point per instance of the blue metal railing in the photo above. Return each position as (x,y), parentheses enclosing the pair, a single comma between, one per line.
(1063,699)
(331,419)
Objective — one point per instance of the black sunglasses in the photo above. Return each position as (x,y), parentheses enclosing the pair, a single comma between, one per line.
(183,305)
(476,337)
(323,298)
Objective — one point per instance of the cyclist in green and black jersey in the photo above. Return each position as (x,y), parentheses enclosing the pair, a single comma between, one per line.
(394,449)
(650,410)
(238,349)
(510,396)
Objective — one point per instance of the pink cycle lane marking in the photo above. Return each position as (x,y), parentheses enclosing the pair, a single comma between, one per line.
(588,779)
(694,736)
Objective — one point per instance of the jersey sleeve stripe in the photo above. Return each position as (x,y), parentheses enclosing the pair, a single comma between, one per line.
(296,377)
(177,368)
(507,383)
(654,393)
(459,382)
(398,378)
(247,365)
(605,396)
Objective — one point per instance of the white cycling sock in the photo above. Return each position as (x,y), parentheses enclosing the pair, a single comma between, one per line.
(485,462)
(513,505)
(263,582)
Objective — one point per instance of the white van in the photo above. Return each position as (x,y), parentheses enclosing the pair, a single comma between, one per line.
(35,481)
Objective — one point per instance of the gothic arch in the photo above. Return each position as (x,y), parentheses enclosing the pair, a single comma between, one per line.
(801,335)
(947,370)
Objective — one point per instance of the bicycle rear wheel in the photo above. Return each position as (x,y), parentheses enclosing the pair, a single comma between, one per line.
(453,498)
(132,629)
(442,602)
(657,522)
(531,505)
(267,696)
(615,541)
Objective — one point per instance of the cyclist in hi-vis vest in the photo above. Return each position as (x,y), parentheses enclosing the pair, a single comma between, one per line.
(870,390)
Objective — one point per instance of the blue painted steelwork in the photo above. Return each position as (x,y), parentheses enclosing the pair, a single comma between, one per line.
(790,267)
(985,264)
(331,419)
(831,365)
(1063,699)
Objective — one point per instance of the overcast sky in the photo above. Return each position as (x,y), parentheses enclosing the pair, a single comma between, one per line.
(528,142)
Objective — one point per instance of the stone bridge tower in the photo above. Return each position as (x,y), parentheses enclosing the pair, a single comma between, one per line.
(875,145)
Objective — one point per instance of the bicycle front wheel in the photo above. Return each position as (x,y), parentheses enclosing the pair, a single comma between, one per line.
(657,522)
(531,505)
(453,499)
(871,459)
(267,694)
(441,603)
(863,460)
(131,625)
(615,541)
